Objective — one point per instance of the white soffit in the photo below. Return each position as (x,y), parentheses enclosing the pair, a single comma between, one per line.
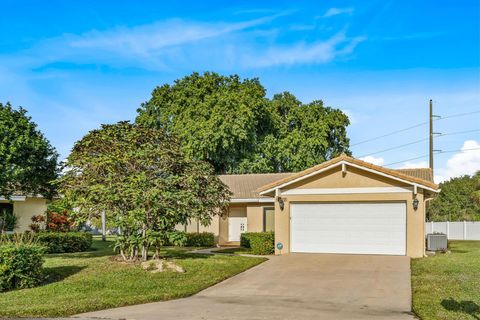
(246,200)
(14,198)
(346,190)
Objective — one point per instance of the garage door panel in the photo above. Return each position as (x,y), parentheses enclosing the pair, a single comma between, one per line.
(367,228)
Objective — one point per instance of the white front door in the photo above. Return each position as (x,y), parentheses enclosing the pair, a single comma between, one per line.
(236,226)
(362,228)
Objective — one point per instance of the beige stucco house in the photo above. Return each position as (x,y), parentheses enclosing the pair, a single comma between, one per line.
(344,205)
(24,207)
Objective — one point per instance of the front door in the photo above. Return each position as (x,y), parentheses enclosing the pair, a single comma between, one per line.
(236,226)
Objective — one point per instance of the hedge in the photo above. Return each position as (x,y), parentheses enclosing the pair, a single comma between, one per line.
(20,266)
(202,239)
(261,243)
(245,239)
(61,242)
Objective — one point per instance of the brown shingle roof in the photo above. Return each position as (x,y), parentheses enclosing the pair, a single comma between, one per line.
(422,173)
(248,186)
(244,186)
(346,158)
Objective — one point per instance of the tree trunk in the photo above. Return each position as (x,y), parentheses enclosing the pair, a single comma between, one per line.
(123,255)
(144,244)
(104,226)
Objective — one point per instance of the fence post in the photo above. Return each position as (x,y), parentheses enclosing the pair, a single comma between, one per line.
(431,226)
(464,230)
(448,229)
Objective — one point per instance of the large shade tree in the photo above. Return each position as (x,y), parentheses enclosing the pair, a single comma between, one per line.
(456,201)
(28,162)
(143,182)
(230,123)
(302,135)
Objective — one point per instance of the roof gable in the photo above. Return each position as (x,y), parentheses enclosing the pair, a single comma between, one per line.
(343,159)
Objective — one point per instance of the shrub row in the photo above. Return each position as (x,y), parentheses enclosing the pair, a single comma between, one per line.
(61,242)
(202,239)
(261,243)
(20,265)
(191,239)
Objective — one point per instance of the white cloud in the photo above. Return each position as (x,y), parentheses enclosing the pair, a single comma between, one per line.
(410,164)
(336,11)
(146,38)
(303,53)
(466,162)
(379,161)
(180,44)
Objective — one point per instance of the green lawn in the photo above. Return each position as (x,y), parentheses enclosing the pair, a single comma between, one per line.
(447,286)
(81,282)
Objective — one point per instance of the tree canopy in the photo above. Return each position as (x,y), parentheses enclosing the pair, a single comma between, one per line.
(231,123)
(29,162)
(456,201)
(143,182)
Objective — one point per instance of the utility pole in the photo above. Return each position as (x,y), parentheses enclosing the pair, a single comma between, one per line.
(431,136)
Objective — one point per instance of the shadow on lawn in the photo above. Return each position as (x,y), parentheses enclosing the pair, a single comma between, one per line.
(55,274)
(93,253)
(468,307)
(453,250)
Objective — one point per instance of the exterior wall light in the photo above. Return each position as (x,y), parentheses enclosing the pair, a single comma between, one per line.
(415,204)
(281,203)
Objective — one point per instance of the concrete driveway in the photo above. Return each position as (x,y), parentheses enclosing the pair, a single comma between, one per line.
(295,286)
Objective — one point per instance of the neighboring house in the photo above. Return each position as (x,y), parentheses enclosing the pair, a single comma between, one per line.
(343,205)
(24,207)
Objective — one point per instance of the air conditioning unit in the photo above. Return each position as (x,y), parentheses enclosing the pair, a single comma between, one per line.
(437,242)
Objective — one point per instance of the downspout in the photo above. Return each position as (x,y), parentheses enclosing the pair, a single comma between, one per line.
(425,201)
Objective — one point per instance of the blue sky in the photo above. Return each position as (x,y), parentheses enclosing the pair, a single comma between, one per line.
(77,64)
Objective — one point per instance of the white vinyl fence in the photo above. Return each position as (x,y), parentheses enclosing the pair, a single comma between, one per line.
(459,230)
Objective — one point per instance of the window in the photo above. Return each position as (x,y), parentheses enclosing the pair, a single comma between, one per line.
(268,219)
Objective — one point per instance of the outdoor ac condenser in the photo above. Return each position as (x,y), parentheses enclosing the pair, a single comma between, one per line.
(436,241)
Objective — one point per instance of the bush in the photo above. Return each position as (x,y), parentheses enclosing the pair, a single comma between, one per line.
(8,220)
(262,243)
(20,265)
(60,242)
(245,239)
(203,239)
(59,221)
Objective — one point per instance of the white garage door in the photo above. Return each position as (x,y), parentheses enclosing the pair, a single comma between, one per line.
(362,228)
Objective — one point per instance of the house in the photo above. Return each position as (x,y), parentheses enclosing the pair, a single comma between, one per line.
(344,205)
(23,207)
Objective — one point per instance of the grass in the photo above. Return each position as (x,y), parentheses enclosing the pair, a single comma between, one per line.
(447,286)
(88,281)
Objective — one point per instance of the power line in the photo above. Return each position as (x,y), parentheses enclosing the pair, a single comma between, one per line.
(458,115)
(415,126)
(458,132)
(426,155)
(390,134)
(418,141)
(393,148)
